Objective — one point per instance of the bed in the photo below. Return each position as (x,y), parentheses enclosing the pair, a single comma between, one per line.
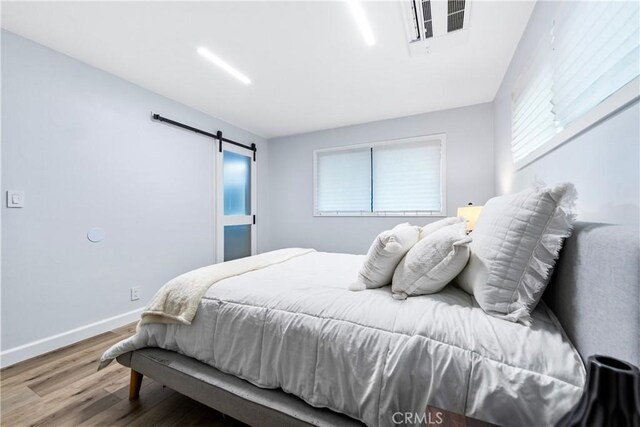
(289,345)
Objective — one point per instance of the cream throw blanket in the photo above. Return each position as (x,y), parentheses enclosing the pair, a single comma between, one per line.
(177,301)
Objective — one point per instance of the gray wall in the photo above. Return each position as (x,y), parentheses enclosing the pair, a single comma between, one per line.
(469,168)
(603,162)
(81,144)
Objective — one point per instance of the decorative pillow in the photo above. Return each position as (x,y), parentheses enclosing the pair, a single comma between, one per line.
(435,226)
(433,262)
(384,255)
(516,242)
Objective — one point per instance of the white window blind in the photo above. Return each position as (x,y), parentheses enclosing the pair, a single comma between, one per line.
(396,178)
(533,119)
(595,54)
(344,180)
(590,54)
(407,177)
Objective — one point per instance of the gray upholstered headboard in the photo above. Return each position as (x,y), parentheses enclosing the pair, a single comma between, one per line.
(595,290)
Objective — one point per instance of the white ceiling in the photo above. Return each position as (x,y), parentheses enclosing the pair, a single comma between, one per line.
(309,65)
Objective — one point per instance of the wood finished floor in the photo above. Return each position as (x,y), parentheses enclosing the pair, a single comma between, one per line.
(63,388)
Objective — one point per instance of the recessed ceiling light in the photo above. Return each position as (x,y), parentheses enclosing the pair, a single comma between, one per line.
(222,64)
(361,20)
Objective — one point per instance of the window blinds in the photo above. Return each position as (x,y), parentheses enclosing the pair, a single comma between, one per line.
(595,54)
(344,180)
(591,52)
(532,119)
(395,178)
(406,177)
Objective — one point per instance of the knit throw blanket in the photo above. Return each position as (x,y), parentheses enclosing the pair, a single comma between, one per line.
(177,301)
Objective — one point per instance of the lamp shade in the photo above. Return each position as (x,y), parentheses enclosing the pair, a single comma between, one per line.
(471,214)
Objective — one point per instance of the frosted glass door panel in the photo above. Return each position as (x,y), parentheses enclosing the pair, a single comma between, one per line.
(237,184)
(235,203)
(237,241)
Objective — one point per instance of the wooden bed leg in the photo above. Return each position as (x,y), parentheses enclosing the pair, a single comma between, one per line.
(134,385)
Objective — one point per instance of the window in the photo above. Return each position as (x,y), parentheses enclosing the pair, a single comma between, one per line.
(392,178)
(585,68)
(532,117)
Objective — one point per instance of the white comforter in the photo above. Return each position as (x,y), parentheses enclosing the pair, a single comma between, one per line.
(295,326)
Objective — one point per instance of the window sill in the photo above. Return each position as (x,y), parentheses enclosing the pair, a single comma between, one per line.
(380,214)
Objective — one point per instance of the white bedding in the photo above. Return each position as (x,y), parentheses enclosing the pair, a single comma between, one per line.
(295,326)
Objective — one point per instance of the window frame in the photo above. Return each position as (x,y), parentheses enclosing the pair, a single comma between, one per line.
(440,137)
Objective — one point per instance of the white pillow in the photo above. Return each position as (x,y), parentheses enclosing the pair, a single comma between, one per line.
(385,253)
(435,226)
(433,262)
(516,242)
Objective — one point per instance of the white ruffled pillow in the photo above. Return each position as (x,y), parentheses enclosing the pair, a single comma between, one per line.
(433,262)
(435,226)
(385,253)
(516,242)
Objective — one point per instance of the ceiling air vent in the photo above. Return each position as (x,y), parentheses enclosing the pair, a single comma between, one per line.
(428,22)
(435,23)
(455,15)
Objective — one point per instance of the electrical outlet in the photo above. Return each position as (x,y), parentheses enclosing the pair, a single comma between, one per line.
(135,293)
(15,199)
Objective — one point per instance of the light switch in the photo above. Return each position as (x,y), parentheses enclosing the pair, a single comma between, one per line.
(15,199)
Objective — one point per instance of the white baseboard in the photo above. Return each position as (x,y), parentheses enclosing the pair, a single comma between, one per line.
(45,345)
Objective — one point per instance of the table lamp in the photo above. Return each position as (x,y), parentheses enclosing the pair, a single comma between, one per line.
(471,214)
